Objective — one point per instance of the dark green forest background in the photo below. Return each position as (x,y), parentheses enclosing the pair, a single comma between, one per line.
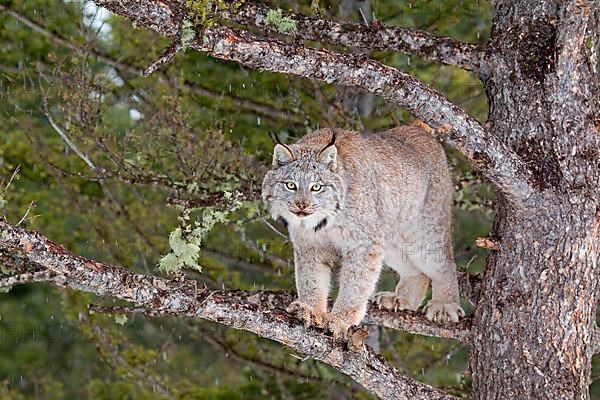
(195,129)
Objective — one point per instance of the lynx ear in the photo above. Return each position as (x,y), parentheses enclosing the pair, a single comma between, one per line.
(328,156)
(282,155)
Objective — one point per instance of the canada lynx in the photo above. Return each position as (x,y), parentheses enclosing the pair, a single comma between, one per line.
(366,201)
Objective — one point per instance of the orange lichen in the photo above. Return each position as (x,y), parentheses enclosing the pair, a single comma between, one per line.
(486,243)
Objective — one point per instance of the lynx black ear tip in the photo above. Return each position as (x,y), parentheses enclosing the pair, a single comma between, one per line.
(331,142)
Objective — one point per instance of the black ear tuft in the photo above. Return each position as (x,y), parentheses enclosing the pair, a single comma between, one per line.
(331,142)
(282,153)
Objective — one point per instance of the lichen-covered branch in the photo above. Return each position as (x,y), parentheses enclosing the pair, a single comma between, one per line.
(500,164)
(258,312)
(373,37)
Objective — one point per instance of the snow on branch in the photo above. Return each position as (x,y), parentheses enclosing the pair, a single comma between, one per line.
(454,126)
(262,313)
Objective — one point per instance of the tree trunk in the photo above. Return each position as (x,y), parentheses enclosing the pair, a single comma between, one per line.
(537,312)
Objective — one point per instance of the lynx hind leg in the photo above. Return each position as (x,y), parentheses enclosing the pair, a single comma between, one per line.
(443,311)
(409,294)
(438,265)
(445,301)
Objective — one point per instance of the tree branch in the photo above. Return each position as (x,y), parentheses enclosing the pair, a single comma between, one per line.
(497,161)
(26,277)
(65,137)
(258,312)
(373,37)
(413,322)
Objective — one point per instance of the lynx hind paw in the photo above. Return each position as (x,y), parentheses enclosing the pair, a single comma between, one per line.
(442,312)
(391,301)
(307,314)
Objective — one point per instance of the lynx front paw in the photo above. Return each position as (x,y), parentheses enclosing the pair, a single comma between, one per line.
(338,327)
(308,315)
(391,301)
(439,311)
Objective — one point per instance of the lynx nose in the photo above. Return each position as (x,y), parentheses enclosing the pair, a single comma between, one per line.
(302,205)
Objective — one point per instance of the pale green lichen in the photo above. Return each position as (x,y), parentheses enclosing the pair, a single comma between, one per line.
(192,188)
(285,25)
(5,270)
(186,240)
(121,319)
(204,12)
(187,33)
(184,252)
(589,43)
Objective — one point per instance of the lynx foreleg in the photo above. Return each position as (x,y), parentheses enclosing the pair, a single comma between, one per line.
(313,277)
(358,279)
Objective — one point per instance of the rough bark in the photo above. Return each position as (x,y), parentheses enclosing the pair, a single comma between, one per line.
(537,312)
(259,312)
(372,36)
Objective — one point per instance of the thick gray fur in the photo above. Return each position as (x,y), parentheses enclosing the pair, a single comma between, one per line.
(383,199)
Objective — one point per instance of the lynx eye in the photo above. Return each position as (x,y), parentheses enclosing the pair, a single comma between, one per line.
(290,186)
(316,187)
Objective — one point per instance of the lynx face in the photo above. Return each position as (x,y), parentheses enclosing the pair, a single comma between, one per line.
(303,186)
